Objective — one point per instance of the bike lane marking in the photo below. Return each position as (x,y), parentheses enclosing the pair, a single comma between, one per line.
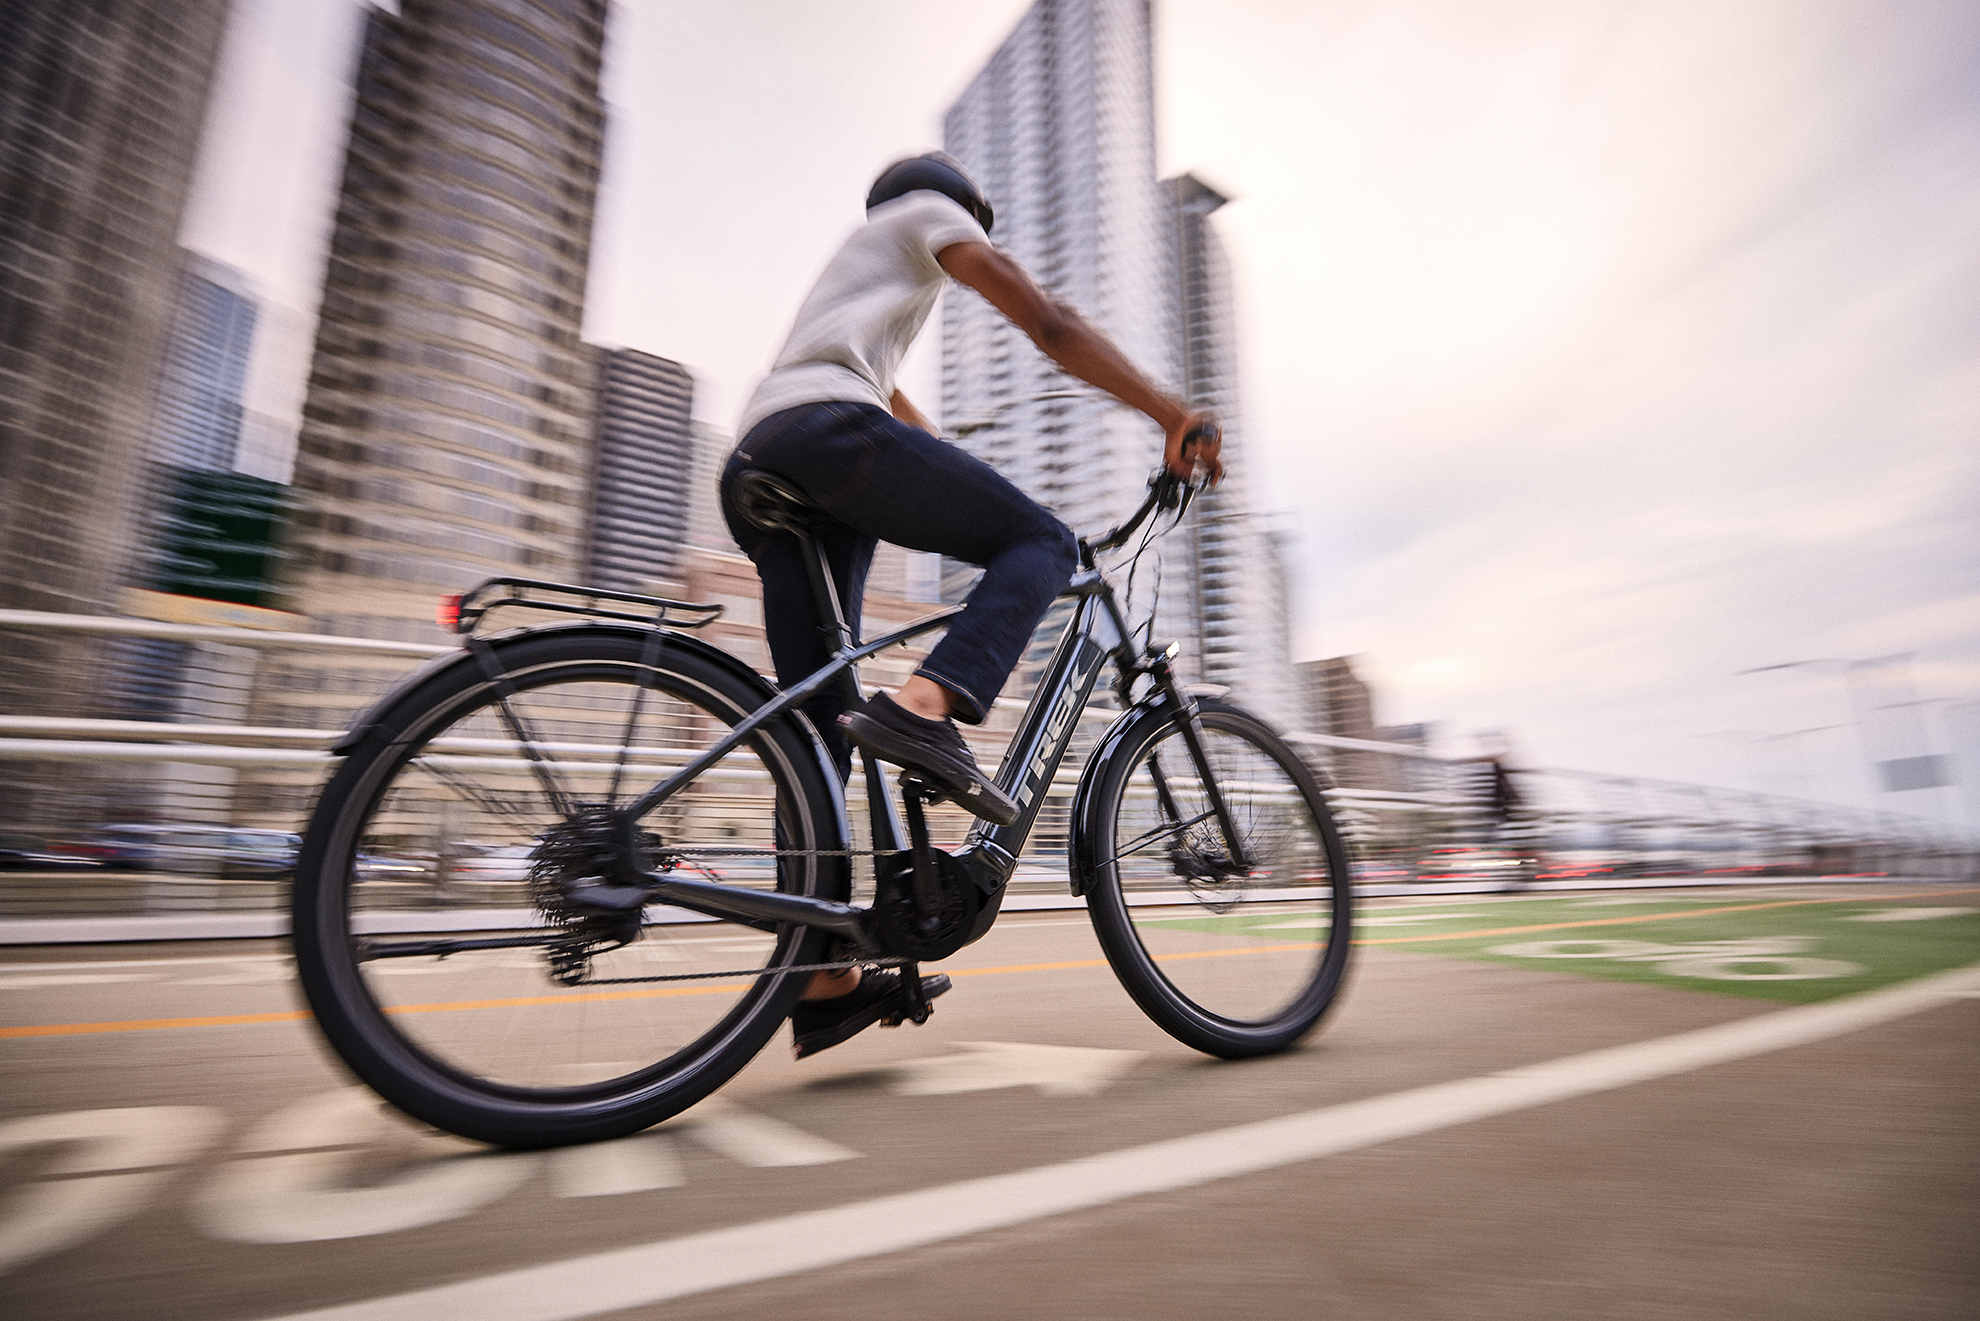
(813,1240)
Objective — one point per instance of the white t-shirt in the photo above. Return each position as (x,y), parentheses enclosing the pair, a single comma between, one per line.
(867,307)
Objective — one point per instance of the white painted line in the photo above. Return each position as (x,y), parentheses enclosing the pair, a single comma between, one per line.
(987,1066)
(813,1240)
(758,1140)
(1909,914)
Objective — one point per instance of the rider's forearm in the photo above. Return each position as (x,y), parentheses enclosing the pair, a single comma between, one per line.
(1065,336)
(1069,340)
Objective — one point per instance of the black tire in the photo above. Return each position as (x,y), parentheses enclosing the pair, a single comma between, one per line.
(485,1043)
(1234,966)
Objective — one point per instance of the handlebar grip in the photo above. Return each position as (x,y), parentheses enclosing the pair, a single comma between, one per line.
(1209,431)
(1171,490)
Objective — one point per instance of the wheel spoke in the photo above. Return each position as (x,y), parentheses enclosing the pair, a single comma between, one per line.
(1232,960)
(459,932)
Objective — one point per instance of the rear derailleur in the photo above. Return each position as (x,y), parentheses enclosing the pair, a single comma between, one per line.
(570,882)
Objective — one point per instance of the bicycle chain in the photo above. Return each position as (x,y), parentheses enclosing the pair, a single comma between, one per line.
(778,853)
(744,972)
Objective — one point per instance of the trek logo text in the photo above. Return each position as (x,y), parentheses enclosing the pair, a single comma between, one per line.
(1071,698)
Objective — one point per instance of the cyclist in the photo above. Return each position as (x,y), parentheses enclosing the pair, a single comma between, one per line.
(829,419)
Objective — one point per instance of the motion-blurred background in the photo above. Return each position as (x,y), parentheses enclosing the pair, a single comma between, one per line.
(1600,378)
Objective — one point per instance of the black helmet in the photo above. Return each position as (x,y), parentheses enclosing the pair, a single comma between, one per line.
(937,172)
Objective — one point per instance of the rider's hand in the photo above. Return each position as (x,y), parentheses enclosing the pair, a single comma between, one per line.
(1201,457)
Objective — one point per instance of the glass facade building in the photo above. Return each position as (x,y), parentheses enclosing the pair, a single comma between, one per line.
(1059,129)
(100,114)
(645,462)
(101,108)
(448,429)
(196,419)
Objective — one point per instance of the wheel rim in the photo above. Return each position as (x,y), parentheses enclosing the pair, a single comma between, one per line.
(440,849)
(1246,949)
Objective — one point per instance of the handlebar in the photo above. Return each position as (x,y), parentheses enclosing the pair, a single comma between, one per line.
(1165,491)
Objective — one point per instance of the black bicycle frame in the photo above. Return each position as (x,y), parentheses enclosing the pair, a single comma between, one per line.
(1096,632)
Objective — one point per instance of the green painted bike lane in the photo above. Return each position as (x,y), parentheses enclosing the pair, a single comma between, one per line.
(1792,951)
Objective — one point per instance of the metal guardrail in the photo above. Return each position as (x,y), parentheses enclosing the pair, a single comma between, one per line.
(1409,814)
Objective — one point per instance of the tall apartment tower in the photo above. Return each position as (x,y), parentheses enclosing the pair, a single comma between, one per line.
(640,500)
(100,113)
(1236,613)
(447,432)
(1059,129)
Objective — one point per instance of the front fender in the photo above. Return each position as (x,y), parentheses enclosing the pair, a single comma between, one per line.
(1082,846)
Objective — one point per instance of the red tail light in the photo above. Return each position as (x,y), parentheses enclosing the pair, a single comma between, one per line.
(447,613)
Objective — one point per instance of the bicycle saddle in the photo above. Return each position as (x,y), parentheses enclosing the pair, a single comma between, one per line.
(768,501)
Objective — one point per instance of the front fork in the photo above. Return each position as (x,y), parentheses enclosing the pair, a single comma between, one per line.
(1158,668)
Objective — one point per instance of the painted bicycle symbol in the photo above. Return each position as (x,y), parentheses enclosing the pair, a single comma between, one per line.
(1755,959)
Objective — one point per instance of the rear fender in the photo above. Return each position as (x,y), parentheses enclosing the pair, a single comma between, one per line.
(675,641)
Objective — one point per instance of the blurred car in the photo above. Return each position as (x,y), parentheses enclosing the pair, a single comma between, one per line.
(386,867)
(213,850)
(506,862)
(25,853)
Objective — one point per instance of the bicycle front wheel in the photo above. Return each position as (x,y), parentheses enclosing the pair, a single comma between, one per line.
(430,936)
(1235,956)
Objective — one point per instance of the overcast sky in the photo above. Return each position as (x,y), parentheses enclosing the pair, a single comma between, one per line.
(1595,350)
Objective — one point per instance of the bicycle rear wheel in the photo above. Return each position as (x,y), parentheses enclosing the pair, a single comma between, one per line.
(432,836)
(1232,961)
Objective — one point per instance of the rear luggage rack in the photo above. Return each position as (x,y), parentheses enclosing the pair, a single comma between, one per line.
(460,614)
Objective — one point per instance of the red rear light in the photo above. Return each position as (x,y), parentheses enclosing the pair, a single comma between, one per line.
(447,613)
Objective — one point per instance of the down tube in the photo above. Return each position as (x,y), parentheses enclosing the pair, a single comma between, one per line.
(1046,732)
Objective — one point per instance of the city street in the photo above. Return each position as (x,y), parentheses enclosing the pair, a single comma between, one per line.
(1758,1103)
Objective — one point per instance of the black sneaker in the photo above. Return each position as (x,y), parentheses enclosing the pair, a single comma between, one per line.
(821,1024)
(933,747)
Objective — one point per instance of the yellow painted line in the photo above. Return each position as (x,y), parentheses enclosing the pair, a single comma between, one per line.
(149,1024)
(300,1015)
(1278,947)
(1026,967)
(512,1002)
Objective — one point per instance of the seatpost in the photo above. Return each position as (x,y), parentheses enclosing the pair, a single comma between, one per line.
(838,634)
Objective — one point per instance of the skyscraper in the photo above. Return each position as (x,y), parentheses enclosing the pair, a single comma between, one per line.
(1059,129)
(645,462)
(196,417)
(100,111)
(100,114)
(1237,612)
(447,433)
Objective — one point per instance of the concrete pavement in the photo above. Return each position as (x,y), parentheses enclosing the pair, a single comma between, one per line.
(1830,1178)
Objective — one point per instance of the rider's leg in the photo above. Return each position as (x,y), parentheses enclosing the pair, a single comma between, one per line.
(883,479)
(926,698)
(897,483)
(792,625)
(832,984)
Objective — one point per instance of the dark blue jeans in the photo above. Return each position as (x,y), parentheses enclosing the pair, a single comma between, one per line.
(882,480)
